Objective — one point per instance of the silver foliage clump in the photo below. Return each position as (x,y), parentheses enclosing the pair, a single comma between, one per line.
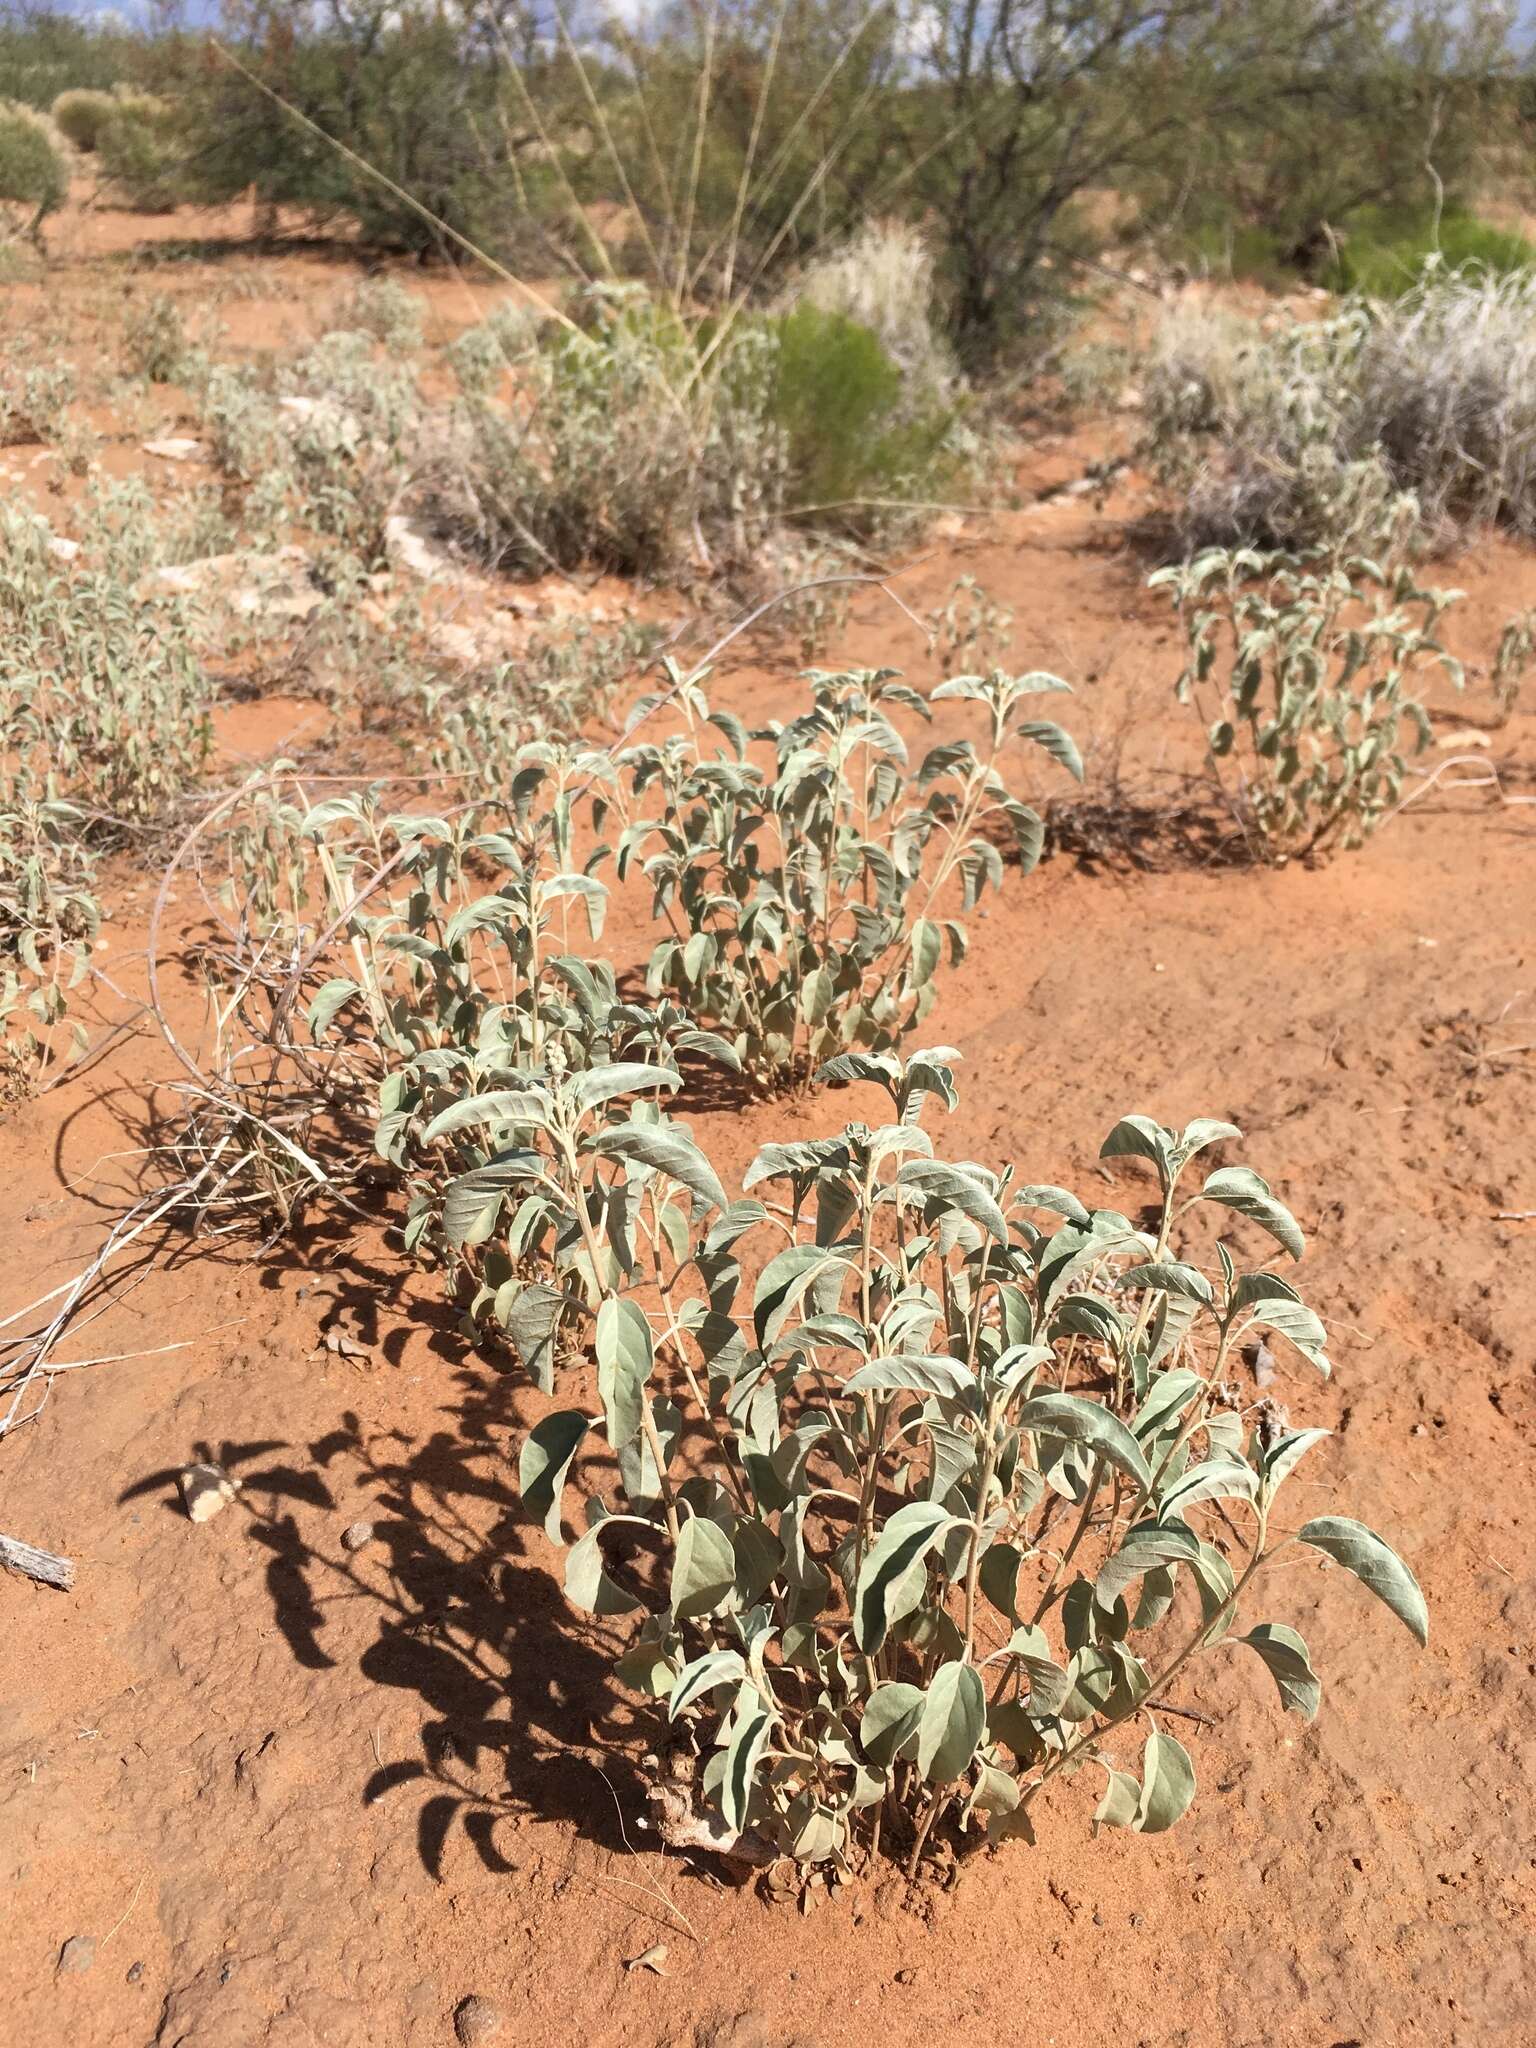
(1314,434)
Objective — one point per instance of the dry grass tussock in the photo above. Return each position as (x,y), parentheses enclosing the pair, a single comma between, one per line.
(1310,435)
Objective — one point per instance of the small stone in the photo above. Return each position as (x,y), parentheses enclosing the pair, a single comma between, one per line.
(906,1976)
(356,1535)
(77,1955)
(176,448)
(136,1973)
(408,547)
(205,1490)
(476,2019)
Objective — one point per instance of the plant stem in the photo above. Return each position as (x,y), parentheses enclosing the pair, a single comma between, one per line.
(940,1794)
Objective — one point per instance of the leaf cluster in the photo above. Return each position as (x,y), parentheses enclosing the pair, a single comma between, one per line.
(808,903)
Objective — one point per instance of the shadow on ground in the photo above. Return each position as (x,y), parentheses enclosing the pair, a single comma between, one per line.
(518,1711)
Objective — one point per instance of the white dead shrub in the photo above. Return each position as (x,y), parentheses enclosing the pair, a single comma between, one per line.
(1313,435)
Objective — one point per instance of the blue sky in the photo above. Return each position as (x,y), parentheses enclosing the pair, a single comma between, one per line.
(198,13)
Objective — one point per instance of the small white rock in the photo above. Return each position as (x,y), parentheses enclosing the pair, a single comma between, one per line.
(410,549)
(206,1490)
(175,448)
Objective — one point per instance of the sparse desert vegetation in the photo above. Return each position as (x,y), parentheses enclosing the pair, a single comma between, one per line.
(650,669)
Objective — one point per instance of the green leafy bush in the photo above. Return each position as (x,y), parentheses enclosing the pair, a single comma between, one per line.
(809,906)
(33,178)
(926,1485)
(853,445)
(1382,255)
(141,148)
(1301,674)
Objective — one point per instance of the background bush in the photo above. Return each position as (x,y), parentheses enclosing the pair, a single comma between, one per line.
(80,114)
(856,438)
(33,177)
(1025,143)
(629,442)
(141,148)
(1311,435)
(1383,254)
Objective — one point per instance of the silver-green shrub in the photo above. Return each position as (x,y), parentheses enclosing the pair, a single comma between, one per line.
(811,902)
(1303,674)
(920,1486)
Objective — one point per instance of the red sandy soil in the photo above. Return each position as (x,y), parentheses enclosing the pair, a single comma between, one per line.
(304,1797)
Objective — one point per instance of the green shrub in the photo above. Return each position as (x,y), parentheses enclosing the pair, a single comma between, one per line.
(854,445)
(1301,676)
(80,115)
(1382,255)
(141,149)
(33,178)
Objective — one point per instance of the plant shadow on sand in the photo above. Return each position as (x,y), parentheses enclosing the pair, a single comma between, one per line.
(519,1712)
(512,1692)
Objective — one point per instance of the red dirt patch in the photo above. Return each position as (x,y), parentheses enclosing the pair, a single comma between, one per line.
(301,1795)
